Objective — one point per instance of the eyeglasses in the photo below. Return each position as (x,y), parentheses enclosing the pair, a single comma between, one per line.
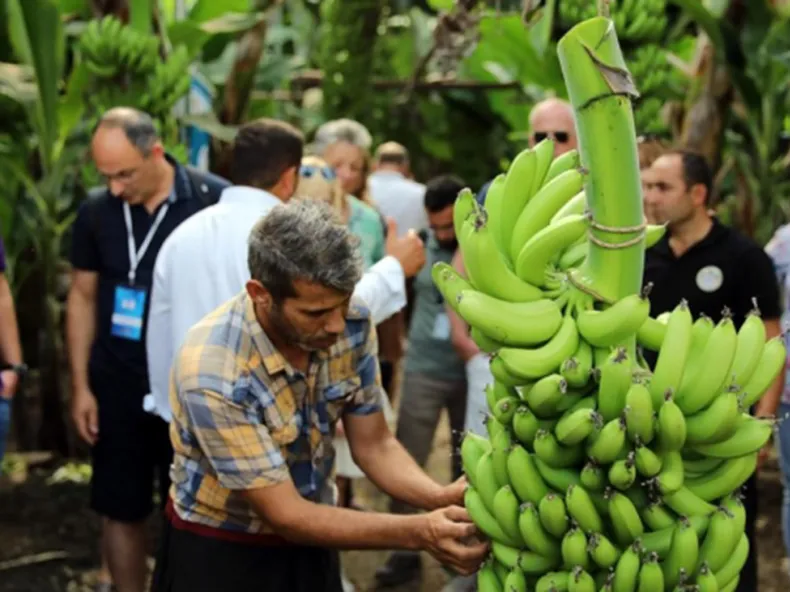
(559,137)
(309,170)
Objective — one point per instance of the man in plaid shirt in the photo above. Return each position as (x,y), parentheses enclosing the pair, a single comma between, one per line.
(257,389)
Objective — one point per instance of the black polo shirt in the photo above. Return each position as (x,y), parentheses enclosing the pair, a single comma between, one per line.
(99,243)
(724,269)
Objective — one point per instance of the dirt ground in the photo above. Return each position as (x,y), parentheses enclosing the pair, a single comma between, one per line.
(36,518)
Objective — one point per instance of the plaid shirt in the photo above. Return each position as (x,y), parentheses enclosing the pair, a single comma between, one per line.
(244,418)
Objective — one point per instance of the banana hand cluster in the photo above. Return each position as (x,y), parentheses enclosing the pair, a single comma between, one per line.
(635,20)
(598,473)
(127,64)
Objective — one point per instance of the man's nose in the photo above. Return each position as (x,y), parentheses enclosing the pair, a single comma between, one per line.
(116,187)
(336,323)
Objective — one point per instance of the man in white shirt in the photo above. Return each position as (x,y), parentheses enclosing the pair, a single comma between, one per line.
(203,263)
(393,192)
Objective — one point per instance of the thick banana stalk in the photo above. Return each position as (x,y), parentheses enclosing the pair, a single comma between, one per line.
(601,90)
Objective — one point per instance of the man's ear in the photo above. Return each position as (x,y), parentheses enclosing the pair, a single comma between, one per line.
(258,293)
(158,150)
(699,195)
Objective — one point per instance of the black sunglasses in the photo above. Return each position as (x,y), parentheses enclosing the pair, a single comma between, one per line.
(559,137)
(309,170)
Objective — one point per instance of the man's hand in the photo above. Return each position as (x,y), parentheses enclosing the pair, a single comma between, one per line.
(443,534)
(453,494)
(85,413)
(408,250)
(763,455)
(10,380)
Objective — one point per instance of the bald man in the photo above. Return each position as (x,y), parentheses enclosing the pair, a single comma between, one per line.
(553,118)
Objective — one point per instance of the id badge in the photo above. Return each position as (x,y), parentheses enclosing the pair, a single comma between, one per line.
(441,327)
(127,313)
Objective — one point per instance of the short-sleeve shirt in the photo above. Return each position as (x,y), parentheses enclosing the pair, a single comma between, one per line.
(244,418)
(99,243)
(365,223)
(724,269)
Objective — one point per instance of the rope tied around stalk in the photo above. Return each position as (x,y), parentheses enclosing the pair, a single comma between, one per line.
(617,229)
(594,225)
(613,246)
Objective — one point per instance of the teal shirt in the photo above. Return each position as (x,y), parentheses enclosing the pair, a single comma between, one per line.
(365,223)
(430,349)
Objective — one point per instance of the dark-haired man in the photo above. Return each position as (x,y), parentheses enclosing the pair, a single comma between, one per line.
(258,388)
(434,378)
(204,263)
(116,236)
(711,266)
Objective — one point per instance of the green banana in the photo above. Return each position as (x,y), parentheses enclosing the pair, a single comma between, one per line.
(768,368)
(473,447)
(526,424)
(648,463)
(543,206)
(750,435)
(671,358)
(749,349)
(486,480)
(651,334)
(671,477)
(615,324)
(493,427)
(516,192)
(656,517)
(544,157)
(700,334)
(558,479)
(510,323)
(573,256)
(681,560)
(500,570)
(554,581)
(706,580)
(574,426)
(505,409)
(465,205)
(626,523)
(532,364)
(506,513)
(515,581)
(555,454)
(605,446)
(660,541)
(651,578)
(533,533)
(582,509)
(615,383)
(487,580)
(727,477)
(493,206)
(654,233)
(698,466)
(554,515)
(712,371)
(622,473)
(577,370)
(535,256)
(574,549)
(639,422)
(593,477)
(483,519)
(581,581)
(575,206)
(685,503)
(734,564)
(720,540)
(564,162)
(534,564)
(602,551)
(500,449)
(545,394)
(671,425)
(507,555)
(488,269)
(484,342)
(626,573)
(449,282)
(715,423)
(525,479)
(502,374)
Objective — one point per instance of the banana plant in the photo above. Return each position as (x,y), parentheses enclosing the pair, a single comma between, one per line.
(46,209)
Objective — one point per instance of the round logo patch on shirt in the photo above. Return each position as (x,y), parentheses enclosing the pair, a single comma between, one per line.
(710,278)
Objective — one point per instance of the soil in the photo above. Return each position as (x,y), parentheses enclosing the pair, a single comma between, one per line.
(36,518)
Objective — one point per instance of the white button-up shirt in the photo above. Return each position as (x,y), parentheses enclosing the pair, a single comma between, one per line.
(400,199)
(203,264)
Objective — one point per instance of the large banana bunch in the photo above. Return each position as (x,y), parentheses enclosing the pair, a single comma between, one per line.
(598,473)
(636,20)
(127,66)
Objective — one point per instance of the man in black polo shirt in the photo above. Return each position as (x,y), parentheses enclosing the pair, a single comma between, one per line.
(712,267)
(116,237)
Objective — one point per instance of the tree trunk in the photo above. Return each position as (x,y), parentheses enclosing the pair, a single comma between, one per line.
(347,56)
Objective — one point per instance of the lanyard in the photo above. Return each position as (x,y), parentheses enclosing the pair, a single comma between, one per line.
(135,254)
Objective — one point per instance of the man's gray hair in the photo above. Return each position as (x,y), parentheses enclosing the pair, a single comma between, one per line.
(303,240)
(341,130)
(137,126)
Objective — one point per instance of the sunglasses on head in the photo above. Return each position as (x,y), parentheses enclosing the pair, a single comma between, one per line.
(559,137)
(308,170)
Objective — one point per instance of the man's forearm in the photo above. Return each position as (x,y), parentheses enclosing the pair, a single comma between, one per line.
(80,332)
(9,332)
(409,483)
(339,528)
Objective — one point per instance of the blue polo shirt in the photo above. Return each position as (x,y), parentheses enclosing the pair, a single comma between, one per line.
(99,243)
